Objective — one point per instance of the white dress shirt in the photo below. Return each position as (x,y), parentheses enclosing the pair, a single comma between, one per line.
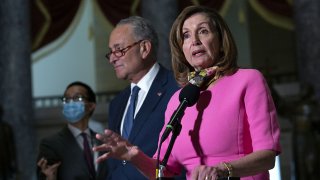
(144,84)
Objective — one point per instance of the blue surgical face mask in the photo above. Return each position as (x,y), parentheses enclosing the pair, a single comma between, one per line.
(73,111)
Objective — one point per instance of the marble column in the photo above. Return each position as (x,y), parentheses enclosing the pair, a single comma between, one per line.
(307,14)
(307,28)
(15,82)
(161,14)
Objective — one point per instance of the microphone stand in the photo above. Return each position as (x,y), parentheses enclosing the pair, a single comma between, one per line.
(175,133)
(176,129)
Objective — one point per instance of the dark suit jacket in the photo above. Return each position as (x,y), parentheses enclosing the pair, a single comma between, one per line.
(64,147)
(147,124)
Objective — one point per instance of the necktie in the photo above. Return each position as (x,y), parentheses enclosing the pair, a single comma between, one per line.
(128,120)
(88,156)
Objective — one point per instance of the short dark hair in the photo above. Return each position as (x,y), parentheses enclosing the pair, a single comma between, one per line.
(143,30)
(90,93)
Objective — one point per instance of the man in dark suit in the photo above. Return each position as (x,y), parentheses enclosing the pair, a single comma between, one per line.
(133,47)
(68,154)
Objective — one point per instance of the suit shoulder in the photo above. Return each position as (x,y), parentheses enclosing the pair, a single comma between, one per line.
(169,78)
(248,77)
(121,94)
(55,138)
(248,74)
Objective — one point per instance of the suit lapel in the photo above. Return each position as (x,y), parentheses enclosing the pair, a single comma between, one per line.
(96,142)
(156,92)
(70,139)
(122,106)
(102,166)
(74,149)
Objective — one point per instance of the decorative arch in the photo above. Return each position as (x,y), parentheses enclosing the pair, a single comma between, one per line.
(276,12)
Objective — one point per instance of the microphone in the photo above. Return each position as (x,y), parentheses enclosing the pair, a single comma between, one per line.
(188,96)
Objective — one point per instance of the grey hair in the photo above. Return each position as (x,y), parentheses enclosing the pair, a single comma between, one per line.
(143,30)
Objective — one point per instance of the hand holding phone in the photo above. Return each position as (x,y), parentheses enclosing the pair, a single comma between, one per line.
(49,167)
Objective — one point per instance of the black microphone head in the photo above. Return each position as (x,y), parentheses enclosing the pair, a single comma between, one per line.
(190,93)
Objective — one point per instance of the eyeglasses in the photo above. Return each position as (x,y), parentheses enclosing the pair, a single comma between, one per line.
(78,98)
(121,52)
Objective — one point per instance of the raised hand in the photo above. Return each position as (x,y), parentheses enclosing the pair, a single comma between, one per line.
(114,146)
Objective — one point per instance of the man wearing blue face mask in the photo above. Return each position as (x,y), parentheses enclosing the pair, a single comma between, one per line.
(68,154)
